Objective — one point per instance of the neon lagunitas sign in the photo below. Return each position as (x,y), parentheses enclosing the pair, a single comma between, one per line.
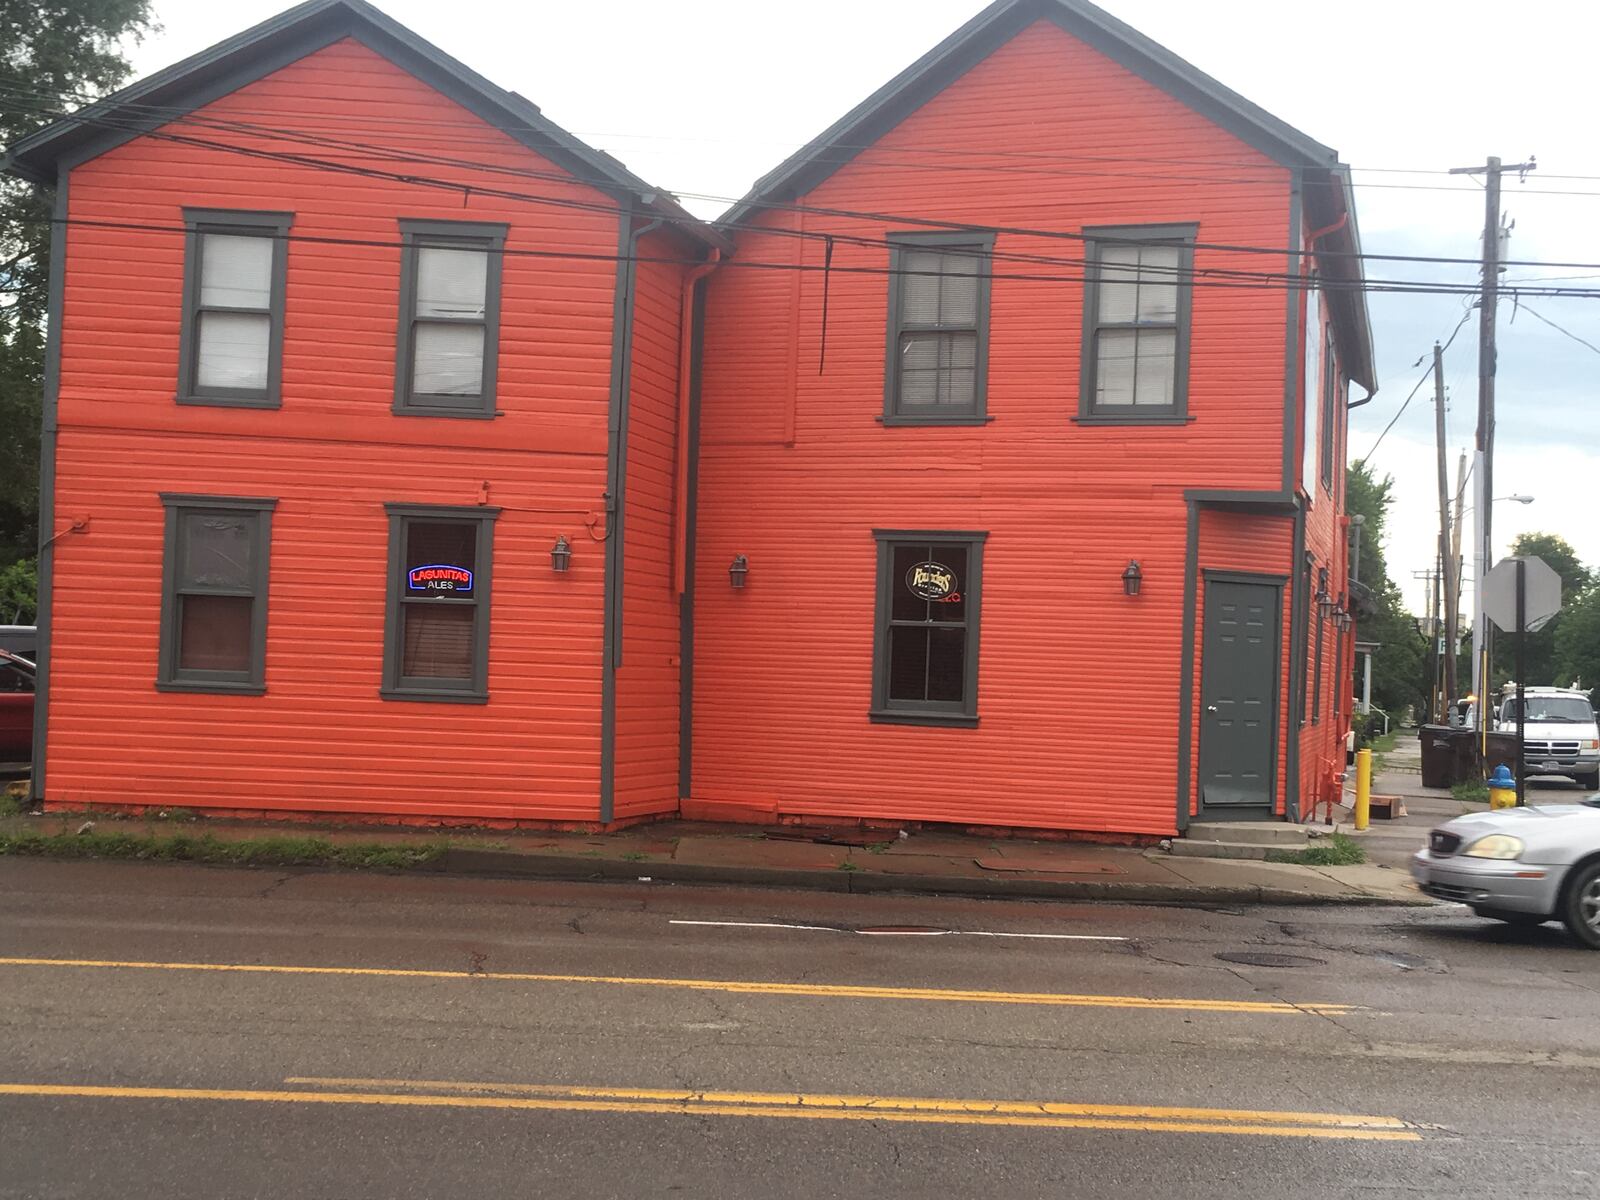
(934,582)
(439,577)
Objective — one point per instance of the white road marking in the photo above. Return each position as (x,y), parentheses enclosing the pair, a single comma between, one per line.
(1051,937)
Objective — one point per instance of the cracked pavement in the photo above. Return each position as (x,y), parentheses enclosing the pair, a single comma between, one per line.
(1484,1041)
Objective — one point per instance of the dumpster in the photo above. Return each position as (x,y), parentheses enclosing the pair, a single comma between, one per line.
(1502,753)
(1449,755)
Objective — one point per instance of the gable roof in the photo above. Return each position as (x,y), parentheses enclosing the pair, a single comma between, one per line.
(1326,180)
(291,35)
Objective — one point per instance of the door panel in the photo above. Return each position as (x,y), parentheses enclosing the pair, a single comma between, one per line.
(1239,697)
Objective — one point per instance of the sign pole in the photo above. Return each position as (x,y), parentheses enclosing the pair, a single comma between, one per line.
(1522,666)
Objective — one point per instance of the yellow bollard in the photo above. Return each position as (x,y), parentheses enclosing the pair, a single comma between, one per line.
(1363,788)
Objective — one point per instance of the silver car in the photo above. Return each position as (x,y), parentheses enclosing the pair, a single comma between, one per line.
(1521,865)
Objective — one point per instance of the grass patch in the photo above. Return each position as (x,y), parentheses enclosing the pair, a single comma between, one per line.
(12,806)
(1383,746)
(1340,850)
(847,865)
(277,851)
(1471,791)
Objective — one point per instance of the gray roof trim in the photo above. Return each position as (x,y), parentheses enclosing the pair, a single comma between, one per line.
(279,40)
(979,37)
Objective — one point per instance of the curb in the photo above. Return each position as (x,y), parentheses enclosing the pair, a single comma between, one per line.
(510,865)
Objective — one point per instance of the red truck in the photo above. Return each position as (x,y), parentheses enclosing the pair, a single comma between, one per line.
(16,709)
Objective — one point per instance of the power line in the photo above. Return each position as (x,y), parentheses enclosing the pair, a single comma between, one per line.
(1540,316)
(395,154)
(1416,387)
(1268,171)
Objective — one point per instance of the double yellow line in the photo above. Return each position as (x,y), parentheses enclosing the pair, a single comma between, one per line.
(736,986)
(1023,1114)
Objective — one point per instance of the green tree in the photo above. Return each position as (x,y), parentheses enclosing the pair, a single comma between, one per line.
(1577,651)
(1544,667)
(52,53)
(1399,667)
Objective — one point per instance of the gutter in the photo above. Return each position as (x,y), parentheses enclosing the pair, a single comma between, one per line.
(680,491)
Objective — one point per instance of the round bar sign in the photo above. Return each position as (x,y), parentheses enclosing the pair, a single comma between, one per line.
(931,581)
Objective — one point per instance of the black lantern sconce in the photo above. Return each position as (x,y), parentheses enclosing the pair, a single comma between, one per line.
(560,555)
(1132,578)
(737,570)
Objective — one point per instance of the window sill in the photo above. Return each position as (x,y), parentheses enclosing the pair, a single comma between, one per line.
(216,688)
(229,401)
(434,696)
(423,410)
(1133,419)
(880,716)
(904,420)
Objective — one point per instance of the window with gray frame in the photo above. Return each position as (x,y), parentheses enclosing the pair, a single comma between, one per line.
(1136,324)
(449,333)
(938,350)
(1307,610)
(437,637)
(1319,628)
(925,653)
(230,349)
(214,594)
(1330,410)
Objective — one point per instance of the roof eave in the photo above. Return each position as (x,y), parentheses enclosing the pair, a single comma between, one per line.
(301,30)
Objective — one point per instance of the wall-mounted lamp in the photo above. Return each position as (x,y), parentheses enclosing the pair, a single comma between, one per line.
(737,570)
(1132,578)
(560,554)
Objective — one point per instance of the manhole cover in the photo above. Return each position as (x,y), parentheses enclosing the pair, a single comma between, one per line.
(1261,958)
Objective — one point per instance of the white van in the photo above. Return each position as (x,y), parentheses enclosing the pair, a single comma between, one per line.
(1560,737)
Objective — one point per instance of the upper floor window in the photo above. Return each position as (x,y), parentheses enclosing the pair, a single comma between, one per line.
(1330,409)
(449,318)
(1136,323)
(231,346)
(214,594)
(938,328)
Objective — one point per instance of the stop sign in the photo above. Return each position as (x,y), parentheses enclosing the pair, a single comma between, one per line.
(1543,593)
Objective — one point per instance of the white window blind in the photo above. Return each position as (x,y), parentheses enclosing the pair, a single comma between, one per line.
(450,318)
(235,311)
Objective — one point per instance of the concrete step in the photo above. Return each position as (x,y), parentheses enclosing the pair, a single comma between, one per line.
(1262,833)
(1187,848)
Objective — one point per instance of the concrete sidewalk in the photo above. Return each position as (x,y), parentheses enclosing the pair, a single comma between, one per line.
(820,858)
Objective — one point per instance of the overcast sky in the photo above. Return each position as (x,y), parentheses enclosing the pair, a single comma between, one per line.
(703,96)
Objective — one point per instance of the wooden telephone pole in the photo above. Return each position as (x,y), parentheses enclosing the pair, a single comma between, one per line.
(1447,571)
(1483,549)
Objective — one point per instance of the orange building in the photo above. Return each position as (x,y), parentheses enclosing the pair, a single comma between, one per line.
(1049,339)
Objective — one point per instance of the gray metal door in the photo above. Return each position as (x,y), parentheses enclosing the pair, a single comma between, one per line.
(1239,698)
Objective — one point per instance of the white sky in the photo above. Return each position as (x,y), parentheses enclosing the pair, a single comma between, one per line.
(703,96)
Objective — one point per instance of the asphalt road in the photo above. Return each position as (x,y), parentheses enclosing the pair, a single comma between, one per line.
(457,1038)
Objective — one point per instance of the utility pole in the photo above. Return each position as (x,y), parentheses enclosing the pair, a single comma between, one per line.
(1447,678)
(1483,549)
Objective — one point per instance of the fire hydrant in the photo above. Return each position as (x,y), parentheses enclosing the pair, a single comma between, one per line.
(1502,788)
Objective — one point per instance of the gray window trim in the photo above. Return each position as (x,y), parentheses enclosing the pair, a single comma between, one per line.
(1330,393)
(1308,588)
(401,687)
(899,243)
(462,235)
(169,677)
(1321,629)
(199,222)
(1095,238)
(902,712)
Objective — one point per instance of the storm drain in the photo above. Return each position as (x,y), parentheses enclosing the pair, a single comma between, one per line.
(1262,958)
